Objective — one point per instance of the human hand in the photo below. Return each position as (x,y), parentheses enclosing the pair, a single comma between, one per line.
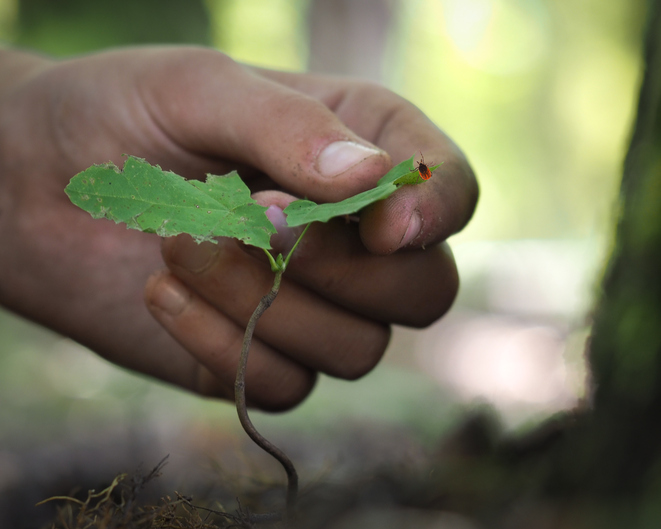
(195,111)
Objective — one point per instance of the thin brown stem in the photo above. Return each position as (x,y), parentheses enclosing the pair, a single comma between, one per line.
(240,398)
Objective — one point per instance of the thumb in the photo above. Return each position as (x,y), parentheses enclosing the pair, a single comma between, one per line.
(209,104)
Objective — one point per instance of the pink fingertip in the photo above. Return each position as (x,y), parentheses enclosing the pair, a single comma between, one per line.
(285,238)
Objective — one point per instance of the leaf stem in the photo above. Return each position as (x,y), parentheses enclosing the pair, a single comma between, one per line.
(272,261)
(240,398)
(291,252)
(280,262)
(278,266)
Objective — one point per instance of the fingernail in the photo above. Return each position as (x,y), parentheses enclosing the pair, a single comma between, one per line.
(192,256)
(412,230)
(342,155)
(285,237)
(169,296)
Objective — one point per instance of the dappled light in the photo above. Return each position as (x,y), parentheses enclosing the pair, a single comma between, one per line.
(540,95)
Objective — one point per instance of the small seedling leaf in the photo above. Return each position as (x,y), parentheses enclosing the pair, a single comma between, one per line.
(147,198)
(305,211)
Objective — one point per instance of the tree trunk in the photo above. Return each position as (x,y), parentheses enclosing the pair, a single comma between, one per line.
(615,452)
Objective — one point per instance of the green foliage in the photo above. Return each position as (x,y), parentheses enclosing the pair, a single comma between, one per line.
(149,199)
(305,211)
(73,27)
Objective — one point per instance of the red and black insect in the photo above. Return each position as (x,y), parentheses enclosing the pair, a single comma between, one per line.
(423,168)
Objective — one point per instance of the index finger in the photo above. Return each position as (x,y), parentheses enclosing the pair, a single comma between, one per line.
(414,216)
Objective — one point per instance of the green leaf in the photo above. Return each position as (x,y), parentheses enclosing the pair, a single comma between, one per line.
(305,211)
(146,198)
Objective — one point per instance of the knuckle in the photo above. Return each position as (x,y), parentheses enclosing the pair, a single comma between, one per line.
(380,98)
(372,89)
(377,102)
(204,57)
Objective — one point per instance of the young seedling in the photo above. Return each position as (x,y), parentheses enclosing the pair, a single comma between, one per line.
(147,198)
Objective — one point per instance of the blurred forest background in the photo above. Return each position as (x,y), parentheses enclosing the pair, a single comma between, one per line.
(540,94)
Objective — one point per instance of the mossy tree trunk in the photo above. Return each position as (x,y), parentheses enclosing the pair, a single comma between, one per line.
(616,452)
